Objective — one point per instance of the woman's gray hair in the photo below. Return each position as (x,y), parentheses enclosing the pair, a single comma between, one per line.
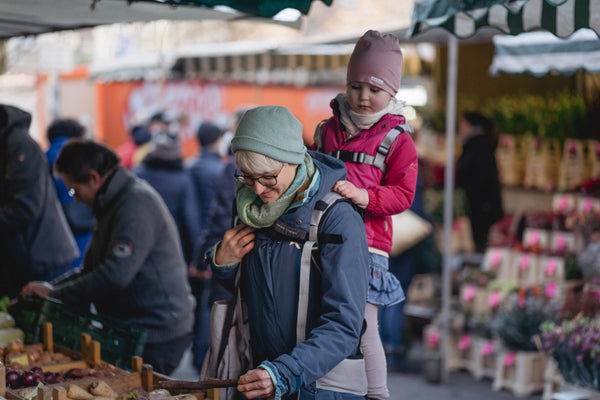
(256,163)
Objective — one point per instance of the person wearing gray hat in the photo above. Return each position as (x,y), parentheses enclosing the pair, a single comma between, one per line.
(163,169)
(279,184)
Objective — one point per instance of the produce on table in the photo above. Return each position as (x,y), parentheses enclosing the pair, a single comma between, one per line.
(8,335)
(17,355)
(101,388)
(77,393)
(6,320)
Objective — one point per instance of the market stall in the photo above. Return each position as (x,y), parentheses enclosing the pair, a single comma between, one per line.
(462,21)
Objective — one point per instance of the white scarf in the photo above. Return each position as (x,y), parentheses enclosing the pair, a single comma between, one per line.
(355,122)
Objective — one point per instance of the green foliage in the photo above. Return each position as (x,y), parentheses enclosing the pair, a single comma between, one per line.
(518,325)
(561,116)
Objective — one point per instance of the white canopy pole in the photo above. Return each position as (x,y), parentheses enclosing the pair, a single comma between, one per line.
(448,196)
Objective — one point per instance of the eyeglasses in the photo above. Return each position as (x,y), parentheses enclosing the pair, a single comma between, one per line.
(72,192)
(265,180)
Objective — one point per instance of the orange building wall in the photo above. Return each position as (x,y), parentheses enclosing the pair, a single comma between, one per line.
(115,103)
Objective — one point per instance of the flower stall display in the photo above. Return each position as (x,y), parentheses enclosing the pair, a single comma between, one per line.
(575,345)
(520,366)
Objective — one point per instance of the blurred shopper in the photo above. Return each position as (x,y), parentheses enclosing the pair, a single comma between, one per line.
(368,132)
(133,269)
(477,175)
(163,170)
(139,139)
(206,167)
(279,185)
(35,239)
(79,216)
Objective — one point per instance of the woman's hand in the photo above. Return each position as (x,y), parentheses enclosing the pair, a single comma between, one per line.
(360,197)
(256,383)
(236,243)
(42,289)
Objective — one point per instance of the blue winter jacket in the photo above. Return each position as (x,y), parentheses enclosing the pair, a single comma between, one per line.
(174,185)
(338,291)
(204,171)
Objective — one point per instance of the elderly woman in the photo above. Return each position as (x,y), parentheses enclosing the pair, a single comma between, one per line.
(279,183)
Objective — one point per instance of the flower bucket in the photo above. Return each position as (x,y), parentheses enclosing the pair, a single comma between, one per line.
(510,158)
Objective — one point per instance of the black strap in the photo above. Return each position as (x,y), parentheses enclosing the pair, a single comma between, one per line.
(378,159)
(228,322)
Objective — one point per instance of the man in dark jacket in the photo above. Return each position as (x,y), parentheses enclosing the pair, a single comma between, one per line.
(477,175)
(35,239)
(133,269)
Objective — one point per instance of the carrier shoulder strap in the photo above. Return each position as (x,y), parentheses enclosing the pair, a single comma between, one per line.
(311,244)
(377,160)
(318,135)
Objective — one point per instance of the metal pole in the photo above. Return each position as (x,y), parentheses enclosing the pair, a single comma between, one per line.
(448,196)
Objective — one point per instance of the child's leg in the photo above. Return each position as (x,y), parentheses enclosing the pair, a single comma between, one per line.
(374,355)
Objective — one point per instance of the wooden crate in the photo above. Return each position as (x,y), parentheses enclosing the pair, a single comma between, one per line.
(593,158)
(507,272)
(90,355)
(542,164)
(474,299)
(552,379)
(466,352)
(522,373)
(551,269)
(510,157)
(573,169)
(586,204)
(452,357)
(564,202)
(536,238)
(494,259)
(526,266)
(485,357)
(142,376)
(432,339)
(563,241)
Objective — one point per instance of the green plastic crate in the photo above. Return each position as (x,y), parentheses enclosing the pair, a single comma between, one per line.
(119,340)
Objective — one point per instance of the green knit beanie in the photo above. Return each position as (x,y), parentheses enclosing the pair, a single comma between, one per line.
(272,131)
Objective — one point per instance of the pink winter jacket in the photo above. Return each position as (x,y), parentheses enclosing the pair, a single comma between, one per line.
(389,193)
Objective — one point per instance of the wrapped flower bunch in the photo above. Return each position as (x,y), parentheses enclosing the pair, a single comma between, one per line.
(575,345)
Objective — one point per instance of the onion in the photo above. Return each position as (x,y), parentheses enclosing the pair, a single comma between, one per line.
(50,377)
(29,379)
(13,379)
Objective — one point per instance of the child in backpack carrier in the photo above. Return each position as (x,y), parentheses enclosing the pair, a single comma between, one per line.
(369,133)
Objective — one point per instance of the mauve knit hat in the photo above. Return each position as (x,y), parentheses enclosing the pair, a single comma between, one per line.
(272,131)
(376,60)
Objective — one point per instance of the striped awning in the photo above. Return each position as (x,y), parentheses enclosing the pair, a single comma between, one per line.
(463,18)
(540,53)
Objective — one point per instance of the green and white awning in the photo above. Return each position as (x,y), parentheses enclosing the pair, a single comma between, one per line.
(540,53)
(463,18)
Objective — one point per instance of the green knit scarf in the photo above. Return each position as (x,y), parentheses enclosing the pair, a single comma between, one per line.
(253,212)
